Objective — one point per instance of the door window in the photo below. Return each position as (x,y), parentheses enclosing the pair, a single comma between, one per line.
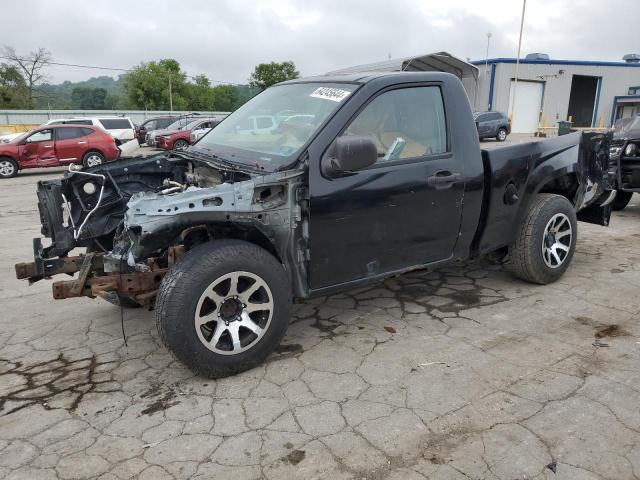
(150,125)
(67,133)
(404,123)
(40,136)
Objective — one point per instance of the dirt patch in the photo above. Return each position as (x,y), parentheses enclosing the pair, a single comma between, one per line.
(57,383)
(610,331)
(617,270)
(161,396)
(602,330)
(295,457)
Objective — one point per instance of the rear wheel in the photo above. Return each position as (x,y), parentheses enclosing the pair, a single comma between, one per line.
(8,167)
(502,135)
(546,240)
(92,159)
(622,200)
(224,307)
(180,144)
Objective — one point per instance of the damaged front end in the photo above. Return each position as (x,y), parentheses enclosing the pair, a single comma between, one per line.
(136,218)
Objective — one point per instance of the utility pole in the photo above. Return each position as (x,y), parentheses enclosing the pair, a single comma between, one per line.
(170,95)
(515,80)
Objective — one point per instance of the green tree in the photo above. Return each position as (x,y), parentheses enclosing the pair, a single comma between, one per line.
(90,98)
(267,74)
(200,94)
(14,91)
(147,86)
(225,98)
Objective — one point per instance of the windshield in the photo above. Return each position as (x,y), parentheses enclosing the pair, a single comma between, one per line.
(624,125)
(270,129)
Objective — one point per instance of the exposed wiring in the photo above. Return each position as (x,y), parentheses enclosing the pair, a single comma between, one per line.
(76,233)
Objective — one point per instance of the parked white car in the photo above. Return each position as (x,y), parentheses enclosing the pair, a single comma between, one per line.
(120,128)
(9,137)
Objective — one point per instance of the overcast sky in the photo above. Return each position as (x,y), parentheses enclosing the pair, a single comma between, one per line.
(226,39)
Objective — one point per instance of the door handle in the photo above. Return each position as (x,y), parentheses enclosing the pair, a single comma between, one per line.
(48,146)
(443,179)
(82,143)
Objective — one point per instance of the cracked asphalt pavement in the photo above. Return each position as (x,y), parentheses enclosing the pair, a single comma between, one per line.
(460,373)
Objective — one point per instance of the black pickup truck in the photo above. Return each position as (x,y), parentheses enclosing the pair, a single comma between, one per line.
(625,149)
(312,187)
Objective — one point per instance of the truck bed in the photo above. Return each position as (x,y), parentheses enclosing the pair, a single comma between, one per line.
(514,174)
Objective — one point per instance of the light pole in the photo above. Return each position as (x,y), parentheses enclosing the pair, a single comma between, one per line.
(486,61)
(170,95)
(515,80)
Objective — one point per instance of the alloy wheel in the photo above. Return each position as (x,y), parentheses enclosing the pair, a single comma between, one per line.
(93,160)
(7,168)
(234,312)
(556,240)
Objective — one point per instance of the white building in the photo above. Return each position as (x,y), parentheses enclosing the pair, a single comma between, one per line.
(590,93)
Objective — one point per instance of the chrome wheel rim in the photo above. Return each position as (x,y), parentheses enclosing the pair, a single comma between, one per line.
(7,168)
(502,134)
(556,241)
(181,145)
(93,160)
(234,312)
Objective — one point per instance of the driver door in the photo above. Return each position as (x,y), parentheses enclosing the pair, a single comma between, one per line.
(39,149)
(402,212)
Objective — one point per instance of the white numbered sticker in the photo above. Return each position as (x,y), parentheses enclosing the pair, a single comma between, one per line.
(328,93)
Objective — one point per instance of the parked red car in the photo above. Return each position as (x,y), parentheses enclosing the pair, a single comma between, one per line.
(179,139)
(54,146)
(156,123)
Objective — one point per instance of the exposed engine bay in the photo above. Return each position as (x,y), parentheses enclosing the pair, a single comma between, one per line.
(137,217)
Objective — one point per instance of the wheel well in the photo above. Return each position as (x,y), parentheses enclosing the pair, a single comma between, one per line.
(199,234)
(92,150)
(11,158)
(566,185)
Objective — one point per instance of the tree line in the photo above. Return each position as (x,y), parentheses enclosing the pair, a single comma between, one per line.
(152,85)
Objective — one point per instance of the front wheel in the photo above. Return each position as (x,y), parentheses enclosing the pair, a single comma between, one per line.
(224,307)
(546,240)
(622,200)
(8,167)
(502,135)
(180,144)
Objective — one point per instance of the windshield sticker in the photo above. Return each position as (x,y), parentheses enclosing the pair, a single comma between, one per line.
(328,93)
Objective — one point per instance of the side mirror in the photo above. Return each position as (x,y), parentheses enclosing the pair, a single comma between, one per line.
(350,154)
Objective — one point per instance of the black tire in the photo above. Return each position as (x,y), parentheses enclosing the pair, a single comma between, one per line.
(197,272)
(501,136)
(622,200)
(180,144)
(526,258)
(8,167)
(92,159)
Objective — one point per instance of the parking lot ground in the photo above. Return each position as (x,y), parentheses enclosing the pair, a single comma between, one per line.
(461,373)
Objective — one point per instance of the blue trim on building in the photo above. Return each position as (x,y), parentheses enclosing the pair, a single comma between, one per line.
(595,108)
(491,82)
(615,102)
(493,61)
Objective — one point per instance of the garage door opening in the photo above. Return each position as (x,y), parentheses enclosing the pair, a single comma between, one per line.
(582,100)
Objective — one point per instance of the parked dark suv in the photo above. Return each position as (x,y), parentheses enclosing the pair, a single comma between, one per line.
(157,123)
(492,125)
